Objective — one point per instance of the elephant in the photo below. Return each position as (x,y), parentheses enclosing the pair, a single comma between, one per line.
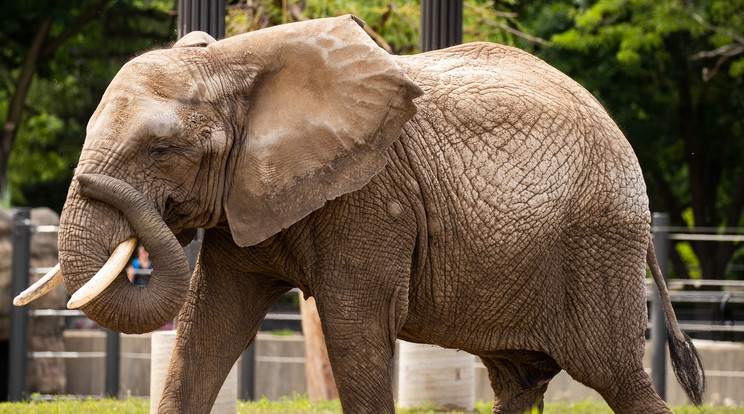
(472,197)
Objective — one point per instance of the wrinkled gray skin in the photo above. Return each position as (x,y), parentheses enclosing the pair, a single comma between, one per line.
(497,210)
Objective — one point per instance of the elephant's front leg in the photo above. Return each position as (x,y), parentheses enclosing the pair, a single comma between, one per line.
(219,320)
(360,330)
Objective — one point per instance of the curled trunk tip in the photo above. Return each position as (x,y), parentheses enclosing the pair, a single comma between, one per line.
(122,306)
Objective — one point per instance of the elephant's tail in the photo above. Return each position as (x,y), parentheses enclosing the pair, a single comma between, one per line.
(686,362)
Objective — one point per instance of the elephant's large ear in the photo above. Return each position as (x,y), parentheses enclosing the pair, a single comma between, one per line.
(325,105)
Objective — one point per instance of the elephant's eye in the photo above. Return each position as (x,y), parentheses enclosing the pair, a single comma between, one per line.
(160,151)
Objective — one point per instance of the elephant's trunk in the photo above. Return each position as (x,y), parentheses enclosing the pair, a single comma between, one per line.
(89,230)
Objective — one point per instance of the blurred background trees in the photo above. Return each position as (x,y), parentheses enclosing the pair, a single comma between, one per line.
(670,72)
(57,59)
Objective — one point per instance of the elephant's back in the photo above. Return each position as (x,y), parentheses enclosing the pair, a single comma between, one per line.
(513,159)
(512,129)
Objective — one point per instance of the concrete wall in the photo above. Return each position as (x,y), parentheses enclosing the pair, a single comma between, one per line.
(86,376)
(280,366)
(45,375)
(280,370)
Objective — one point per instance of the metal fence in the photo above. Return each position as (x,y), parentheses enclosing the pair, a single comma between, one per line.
(19,355)
(732,292)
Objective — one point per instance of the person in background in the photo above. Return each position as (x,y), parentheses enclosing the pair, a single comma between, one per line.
(142,261)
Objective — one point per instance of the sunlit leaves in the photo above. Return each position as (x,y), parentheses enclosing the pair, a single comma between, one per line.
(397,22)
(737,68)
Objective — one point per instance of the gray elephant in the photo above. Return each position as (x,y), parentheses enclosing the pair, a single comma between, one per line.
(472,197)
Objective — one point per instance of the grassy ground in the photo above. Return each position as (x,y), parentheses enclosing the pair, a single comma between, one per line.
(298,406)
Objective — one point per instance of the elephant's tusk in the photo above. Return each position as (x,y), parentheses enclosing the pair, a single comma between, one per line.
(105,276)
(40,288)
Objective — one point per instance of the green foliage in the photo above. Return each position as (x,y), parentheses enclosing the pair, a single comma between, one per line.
(495,21)
(632,27)
(655,66)
(737,68)
(397,22)
(69,82)
(38,156)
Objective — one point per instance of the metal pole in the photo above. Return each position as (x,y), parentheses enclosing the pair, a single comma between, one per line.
(205,15)
(441,24)
(113,348)
(19,315)
(659,226)
(248,373)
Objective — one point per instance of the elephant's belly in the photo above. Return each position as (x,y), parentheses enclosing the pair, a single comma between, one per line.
(478,306)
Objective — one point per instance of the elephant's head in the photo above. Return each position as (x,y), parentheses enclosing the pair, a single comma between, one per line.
(255,131)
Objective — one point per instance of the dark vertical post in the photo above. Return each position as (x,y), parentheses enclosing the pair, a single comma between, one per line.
(193,16)
(660,227)
(425,16)
(441,24)
(205,15)
(113,348)
(247,390)
(18,351)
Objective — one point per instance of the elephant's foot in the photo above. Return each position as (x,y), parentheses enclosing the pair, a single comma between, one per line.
(633,393)
(519,380)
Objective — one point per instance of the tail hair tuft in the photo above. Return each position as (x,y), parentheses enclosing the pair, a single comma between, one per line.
(687,366)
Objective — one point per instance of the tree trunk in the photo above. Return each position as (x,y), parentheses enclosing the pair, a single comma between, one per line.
(26,75)
(320,382)
(15,108)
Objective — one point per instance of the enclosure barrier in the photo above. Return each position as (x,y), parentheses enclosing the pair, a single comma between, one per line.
(441,24)
(18,356)
(661,235)
(659,221)
(23,229)
(19,316)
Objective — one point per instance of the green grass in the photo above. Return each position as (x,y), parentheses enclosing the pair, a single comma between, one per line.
(70,406)
(299,405)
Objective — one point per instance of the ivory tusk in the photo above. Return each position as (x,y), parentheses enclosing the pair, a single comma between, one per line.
(105,276)
(40,288)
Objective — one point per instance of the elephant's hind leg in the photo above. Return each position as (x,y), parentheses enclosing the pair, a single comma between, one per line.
(604,313)
(519,380)
(632,392)
(621,380)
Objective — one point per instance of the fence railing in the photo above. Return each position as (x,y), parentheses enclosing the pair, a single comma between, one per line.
(23,229)
(19,355)
(662,235)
